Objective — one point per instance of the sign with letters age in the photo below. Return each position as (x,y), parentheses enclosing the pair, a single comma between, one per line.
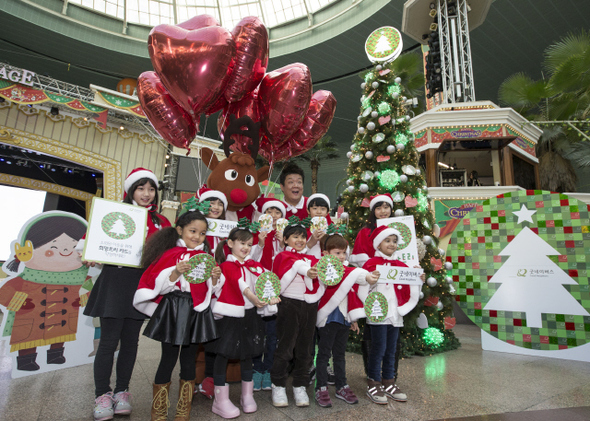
(399,275)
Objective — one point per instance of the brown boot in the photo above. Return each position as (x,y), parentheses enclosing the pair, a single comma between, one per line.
(160,402)
(185,399)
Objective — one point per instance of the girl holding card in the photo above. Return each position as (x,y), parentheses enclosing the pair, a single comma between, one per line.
(176,295)
(217,207)
(384,328)
(318,208)
(111,299)
(240,326)
(381,207)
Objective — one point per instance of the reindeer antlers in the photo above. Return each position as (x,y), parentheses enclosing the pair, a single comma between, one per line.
(235,128)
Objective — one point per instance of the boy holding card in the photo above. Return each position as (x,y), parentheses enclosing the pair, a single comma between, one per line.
(338,310)
(385,325)
(318,208)
(270,237)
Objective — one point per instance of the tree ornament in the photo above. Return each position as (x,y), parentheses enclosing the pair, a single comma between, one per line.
(378,138)
(404,98)
(394,90)
(364,188)
(418,172)
(427,239)
(374,114)
(369,77)
(367,111)
(361,130)
(439,306)
(394,95)
(431,281)
(449,279)
(448,266)
(376,173)
(359,118)
(433,337)
(352,147)
(366,102)
(371,125)
(363,85)
(398,212)
(369,155)
(389,179)
(441,252)
(408,118)
(349,181)
(378,67)
(400,147)
(344,216)
(398,80)
(384,108)
(403,178)
(350,189)
(390,149)
(375,85)
(367,175)
(421,295)
(348,154)
(401,138)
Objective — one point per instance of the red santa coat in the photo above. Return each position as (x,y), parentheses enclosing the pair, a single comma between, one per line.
(344,296)
(401,299)
(299,210)
(155,282)
(246,212)
(363,248)
(235,278)
(290,265)
(153,228)
(266,253)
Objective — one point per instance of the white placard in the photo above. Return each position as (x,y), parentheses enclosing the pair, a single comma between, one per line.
(220,227)
(116,233)
(399,275)
(407,248)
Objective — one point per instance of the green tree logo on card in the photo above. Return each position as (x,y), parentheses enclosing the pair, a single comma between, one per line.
(406,233)
(118,225)
(521,272)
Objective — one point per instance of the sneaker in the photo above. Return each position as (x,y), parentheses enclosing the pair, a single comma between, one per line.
(300,394)
(207,388)
(347,395)
(331,376)
(312,375)
(279,396)
(322,397)
(393,391)
(103,407)
(257,380)
(122,404)
(375,392)
(266,383)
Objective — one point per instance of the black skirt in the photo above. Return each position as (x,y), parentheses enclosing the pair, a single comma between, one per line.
(241,337)
(177,323)
(112,294)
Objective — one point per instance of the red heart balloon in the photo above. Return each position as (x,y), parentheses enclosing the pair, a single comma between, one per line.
(251,39)
(315,124)
(272,154)
(194,65)
(248,106)
(284,95)
(168,118)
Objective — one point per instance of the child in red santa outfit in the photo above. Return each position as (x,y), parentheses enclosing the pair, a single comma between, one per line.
(401,299)
(300,292)
(217,207)
(380,207)
(338,311)
(111,300)
(318,205)
(240,326)
(180,312)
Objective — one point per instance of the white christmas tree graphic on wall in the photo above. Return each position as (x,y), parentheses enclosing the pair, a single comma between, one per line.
(383,45)
(531,282)
(118,227)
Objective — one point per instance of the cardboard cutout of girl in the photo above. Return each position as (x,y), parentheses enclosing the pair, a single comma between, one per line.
(42,292)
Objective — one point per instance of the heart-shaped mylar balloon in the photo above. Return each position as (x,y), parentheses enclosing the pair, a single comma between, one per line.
(194,65)
(168,118)
(199,21)
(315,124)
(251,39)
(284,95)
(248,106)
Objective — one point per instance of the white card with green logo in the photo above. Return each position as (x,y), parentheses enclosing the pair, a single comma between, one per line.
(220,227)
(399,275)
(407,247)
(116,233)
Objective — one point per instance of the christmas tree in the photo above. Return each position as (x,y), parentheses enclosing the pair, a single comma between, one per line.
(118,227)
(383,159)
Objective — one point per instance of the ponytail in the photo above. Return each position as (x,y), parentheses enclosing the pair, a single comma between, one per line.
(220,252)
(157,244)
(13,265)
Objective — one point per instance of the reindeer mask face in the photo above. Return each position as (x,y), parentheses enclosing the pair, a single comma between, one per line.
(236,176)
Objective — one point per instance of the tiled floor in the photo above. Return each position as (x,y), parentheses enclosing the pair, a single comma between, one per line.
(467,382)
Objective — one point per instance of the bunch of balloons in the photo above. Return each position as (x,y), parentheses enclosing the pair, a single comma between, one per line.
(201,67)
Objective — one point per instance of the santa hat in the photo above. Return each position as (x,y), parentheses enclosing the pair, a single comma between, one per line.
(318,196)
(381,198)
(205,193)
(264,203)
(381,233)
(136,175)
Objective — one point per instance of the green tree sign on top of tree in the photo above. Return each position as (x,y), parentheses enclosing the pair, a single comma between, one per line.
(383,159)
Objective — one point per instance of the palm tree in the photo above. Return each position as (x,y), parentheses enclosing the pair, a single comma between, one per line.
(325,149)
(560,104)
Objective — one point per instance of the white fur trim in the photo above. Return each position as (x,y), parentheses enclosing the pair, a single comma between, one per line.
(359,259)
(412,302)
(354,315)
(341,294)
(209,194)
(268,310)
(290,275)
(314,298)
(138,175)
(319,196)
(384,234)
(225,309)
(380,198)
(143,298)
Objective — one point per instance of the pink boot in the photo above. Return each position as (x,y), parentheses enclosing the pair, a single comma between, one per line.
(247,400)
(222,406)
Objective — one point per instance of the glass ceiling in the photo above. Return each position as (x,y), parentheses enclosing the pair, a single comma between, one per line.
(228,12)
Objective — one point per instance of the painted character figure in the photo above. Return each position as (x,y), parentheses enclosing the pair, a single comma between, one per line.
(43,299)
